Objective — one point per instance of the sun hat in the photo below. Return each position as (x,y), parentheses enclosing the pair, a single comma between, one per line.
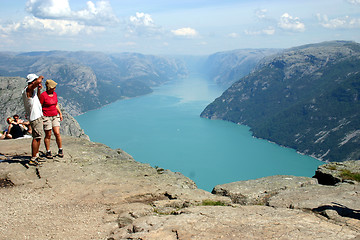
(31,77)
(50,83)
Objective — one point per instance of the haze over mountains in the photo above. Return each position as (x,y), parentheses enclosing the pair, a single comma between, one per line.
(306,97)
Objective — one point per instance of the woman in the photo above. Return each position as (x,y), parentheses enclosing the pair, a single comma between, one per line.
(14,129)
(52,117)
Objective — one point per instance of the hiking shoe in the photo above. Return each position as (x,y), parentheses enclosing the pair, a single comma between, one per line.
(48,155)
(60,153)
(40,158)
(34,161)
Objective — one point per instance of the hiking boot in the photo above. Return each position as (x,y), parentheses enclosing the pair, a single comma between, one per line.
(34,161)
(60,153)
(39,159)
(48,155)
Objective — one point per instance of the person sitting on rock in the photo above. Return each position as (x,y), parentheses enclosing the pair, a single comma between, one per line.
(14,129)
(25,125)
(2,135)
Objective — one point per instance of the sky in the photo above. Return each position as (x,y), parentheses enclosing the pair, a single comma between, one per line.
(174,27)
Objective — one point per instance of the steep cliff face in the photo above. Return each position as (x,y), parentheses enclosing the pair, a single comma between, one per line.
(225,68)
(305,98)
(12,103)
(89,80)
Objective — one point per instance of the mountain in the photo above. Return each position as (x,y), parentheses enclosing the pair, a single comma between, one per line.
(12,103)
(306,98)
(225,68)
(89,80)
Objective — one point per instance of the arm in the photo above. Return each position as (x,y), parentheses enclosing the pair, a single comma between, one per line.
(59,111)
(9,128)
(8,135)
(35,84)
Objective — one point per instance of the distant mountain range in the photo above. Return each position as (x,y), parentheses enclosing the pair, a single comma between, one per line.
(89,80)
(306,98)
(225,68)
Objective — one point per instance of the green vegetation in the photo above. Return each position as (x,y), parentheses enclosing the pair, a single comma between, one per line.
(348,175)
(331,167)
(209,202)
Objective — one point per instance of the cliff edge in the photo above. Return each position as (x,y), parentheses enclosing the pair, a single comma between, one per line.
(96,192)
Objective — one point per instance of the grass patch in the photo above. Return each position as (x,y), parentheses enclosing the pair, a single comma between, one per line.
(212,203)
(331,167)
(348,175)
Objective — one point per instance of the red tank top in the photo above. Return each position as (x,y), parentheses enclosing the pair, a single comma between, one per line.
(49,104)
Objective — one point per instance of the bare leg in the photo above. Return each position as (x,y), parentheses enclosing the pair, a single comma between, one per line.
(47,139)
(57,136)
(35,145)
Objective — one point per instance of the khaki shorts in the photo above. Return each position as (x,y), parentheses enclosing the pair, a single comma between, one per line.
(50,122)
(37,128)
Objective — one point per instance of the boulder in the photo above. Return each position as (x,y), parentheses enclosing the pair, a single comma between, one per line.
(337,172)
(258,191)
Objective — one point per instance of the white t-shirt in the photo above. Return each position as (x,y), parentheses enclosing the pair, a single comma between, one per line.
(32,106)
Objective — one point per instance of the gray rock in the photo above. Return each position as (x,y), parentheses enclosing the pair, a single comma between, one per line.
(340,204)
(96,192)
(258,191)
(337,172)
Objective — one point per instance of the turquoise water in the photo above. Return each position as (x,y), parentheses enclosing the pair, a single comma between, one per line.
(164,129)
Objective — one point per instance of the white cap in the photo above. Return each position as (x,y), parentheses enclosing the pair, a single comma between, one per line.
(31,77)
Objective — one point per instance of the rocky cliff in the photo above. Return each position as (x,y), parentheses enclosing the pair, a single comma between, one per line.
(95,192)
(89,80)
(306,98)
(12,103)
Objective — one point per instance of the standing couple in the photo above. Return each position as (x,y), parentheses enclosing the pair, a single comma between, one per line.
(43,112)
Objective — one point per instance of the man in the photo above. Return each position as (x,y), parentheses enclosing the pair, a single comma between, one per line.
(34,113)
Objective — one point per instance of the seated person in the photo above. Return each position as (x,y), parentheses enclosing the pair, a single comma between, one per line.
(25,125)
(14,130)
(2,135)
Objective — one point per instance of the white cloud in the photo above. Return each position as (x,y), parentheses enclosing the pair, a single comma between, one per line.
(49,8)
(142,19)
(9,28)
(287,22)
(341,22)
(55,17)
(185,32)
(261,13)
(142,24)
(32,25)
(233,35)
(99,13)
(267,31)
(354,1)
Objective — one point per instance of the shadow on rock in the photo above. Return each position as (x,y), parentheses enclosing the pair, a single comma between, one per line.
(340,209)
(23,160)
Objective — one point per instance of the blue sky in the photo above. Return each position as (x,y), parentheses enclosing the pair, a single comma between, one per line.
(196,27)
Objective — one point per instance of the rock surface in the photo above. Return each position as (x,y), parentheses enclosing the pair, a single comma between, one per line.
(259,191)
(337,172)
(95,192)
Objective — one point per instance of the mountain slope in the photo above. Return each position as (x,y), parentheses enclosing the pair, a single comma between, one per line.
(225,68)
(306,98)
(89,80)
